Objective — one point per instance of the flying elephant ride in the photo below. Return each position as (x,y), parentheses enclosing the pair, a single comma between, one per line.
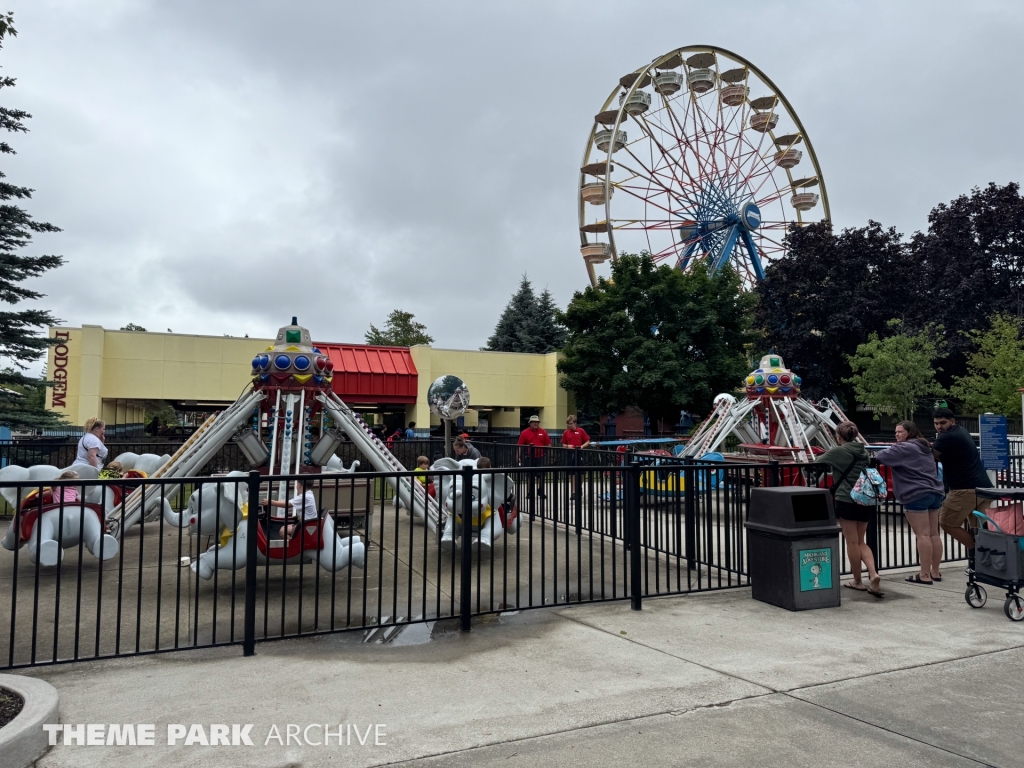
(290,403)
(222,510)
(493,502)
(47,526)
(281,426)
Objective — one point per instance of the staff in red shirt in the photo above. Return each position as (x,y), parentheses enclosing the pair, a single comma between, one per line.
(537,440)
(574,437)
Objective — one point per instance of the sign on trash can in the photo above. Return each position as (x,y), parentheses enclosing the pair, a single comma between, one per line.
(793,548)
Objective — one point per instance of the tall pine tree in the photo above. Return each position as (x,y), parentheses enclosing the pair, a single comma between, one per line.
(20,343)
(528,324)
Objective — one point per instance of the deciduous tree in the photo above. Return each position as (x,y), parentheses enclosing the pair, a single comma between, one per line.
(829,293)
(995,369)
(656,338)
(891,374)
(400,330)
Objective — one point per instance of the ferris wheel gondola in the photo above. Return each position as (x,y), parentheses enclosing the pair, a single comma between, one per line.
(697,156)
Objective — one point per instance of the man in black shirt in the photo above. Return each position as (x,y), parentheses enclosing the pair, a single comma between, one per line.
(962,472)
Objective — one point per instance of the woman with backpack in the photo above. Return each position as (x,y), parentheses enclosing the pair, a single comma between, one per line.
(916,483)
(847,461)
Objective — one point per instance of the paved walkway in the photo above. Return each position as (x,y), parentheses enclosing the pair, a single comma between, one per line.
(917,678)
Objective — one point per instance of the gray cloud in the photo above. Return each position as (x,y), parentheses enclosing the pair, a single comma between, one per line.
(218,167)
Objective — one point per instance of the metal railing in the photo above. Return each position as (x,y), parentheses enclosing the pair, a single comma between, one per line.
(76,587)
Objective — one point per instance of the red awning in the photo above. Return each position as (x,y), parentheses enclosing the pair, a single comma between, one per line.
(364,374)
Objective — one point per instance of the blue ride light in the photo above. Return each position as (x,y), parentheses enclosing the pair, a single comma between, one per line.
(264,361)
(302,363)
(282,361)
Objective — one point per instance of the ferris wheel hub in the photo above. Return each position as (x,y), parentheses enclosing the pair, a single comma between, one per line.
(750,217)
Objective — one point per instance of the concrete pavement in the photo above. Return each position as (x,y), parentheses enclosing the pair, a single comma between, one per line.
(917,678)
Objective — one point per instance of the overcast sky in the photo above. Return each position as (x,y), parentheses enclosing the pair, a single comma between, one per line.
(220,166)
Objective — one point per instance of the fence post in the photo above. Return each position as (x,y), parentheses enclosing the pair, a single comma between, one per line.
(773,474)
(466,542)
(633,534)
(690,512)
(577,491)
(251,534)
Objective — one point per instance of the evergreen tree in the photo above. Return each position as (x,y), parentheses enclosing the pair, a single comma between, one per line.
(528,324)
(21,396)
(550,331)
(400,330)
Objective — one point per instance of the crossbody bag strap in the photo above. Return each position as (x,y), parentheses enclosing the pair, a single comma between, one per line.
(835,486)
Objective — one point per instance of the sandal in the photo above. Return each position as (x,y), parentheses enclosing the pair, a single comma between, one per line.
(859,586)
(916,579)
(877,584)
(936,578)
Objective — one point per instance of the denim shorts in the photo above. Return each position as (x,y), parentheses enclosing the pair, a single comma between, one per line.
(925,503)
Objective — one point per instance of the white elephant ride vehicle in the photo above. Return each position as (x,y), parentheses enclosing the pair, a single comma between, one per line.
(45,526)
(222,510)
(493,502)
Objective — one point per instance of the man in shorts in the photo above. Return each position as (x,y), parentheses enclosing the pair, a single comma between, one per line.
(963,473)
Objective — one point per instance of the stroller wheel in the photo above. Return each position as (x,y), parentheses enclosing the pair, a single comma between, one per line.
(1014,608)
(976,596)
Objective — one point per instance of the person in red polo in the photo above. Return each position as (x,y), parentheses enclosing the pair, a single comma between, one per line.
(537,440)
(574,437)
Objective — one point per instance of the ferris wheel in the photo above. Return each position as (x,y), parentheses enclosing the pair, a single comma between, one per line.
(697,156)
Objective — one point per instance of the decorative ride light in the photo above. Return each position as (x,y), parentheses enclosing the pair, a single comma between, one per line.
(325,447)
(250,444)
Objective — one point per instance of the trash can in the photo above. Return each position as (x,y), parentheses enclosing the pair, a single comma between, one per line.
(793,547)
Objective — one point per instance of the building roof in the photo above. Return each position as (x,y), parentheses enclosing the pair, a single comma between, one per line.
(365,374)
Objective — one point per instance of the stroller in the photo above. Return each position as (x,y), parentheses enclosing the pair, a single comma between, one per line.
(999,553)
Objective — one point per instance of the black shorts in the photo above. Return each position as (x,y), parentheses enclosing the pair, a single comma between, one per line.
(847,510)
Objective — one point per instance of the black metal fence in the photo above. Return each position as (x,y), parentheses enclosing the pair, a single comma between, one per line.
(204,566)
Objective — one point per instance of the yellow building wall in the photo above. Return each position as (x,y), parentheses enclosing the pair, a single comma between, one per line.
(495,380)
(109,372)
(106,369)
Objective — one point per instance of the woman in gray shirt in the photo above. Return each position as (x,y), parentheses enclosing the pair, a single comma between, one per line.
(916,483)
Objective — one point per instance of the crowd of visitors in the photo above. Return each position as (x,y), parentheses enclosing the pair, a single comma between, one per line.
(933,501)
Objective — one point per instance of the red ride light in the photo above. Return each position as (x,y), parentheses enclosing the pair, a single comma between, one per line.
(320,363)
(330,364)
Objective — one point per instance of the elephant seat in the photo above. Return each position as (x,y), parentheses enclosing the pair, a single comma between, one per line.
(32,507)
(308,536)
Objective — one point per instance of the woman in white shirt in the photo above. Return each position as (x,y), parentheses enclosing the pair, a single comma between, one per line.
(91,450)
(303,505)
